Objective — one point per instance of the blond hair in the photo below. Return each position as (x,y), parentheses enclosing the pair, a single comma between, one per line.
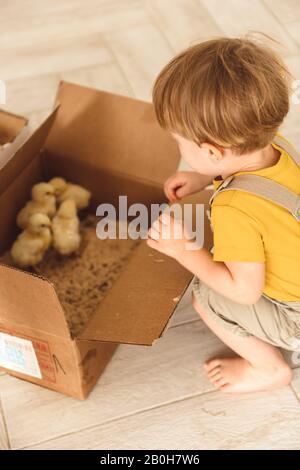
(231,92)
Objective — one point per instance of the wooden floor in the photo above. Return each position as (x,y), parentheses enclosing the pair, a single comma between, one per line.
(153,397)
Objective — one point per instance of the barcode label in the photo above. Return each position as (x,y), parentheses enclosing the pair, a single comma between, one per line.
(18,354)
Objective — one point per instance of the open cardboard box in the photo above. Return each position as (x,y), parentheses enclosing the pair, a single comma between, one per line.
(112,145)
(13,132)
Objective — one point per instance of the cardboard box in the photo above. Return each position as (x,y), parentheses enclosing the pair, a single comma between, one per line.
(112,145)
(13,132)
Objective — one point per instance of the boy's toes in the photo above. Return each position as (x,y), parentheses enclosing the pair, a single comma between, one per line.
(218,380)
(214,372)
(211,364)
(215,377)
(221,383)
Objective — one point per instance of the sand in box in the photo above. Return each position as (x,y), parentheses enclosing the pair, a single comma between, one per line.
(82,280)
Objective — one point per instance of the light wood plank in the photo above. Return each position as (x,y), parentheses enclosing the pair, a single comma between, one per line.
(238,17)
(212,421)
(294,30)
(183,22)
(106,77)
(35,94)
(46,21)
(286,11)
(25,95)
(141,52)
(52,57)
(4,441)
(293,64)
(136,379)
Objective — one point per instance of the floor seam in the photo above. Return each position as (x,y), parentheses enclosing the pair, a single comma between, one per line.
(120,418)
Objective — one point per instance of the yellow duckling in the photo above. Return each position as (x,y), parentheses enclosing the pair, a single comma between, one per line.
(65,228)
(33,242)
(64,191)
(43,202)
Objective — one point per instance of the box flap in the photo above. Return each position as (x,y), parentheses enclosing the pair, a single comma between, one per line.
(26,153)
(141,302)
(8,151)
(31,302)
(10,126)
(112,132)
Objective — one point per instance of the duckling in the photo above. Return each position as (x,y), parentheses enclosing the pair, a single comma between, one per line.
(64,190)
(43,201)
(33,242)
(65,228)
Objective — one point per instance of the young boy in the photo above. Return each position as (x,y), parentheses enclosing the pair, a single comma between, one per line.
(223,101)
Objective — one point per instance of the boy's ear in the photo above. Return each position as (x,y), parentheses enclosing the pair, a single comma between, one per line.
(213,151)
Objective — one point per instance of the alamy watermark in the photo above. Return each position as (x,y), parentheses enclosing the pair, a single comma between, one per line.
(295,98)
(134,221)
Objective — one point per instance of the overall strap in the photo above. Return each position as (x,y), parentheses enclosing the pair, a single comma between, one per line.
(264,187)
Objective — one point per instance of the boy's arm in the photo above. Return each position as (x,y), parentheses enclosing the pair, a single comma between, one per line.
(242,282)
(237,268)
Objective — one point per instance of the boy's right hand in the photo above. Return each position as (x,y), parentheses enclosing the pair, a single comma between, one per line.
(184,183)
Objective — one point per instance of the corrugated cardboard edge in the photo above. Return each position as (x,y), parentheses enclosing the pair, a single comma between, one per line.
(18,116)
(62,83)
(55,296)
(8,150)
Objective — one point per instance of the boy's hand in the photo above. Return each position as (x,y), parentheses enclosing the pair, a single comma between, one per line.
(164,235)
(184,183)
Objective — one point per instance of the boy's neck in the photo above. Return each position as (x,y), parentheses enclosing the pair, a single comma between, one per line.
(264,158)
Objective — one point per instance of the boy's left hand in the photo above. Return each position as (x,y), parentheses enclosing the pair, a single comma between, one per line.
(161,236)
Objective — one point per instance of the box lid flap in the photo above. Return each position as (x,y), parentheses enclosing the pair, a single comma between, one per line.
(112,132)
(27,300)
(141,301)
(10,126)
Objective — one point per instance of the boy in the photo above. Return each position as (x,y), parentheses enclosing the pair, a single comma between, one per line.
(223,101)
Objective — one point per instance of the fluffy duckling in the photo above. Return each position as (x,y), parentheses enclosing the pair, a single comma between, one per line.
(64,191)
(65,228)
(43,201)
(33,242)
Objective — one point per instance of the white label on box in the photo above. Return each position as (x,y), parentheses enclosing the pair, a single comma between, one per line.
(18,354)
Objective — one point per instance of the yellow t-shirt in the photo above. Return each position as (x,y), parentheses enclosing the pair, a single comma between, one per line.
(249,228)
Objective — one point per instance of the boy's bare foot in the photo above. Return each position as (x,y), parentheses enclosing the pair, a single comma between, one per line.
(236,375)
